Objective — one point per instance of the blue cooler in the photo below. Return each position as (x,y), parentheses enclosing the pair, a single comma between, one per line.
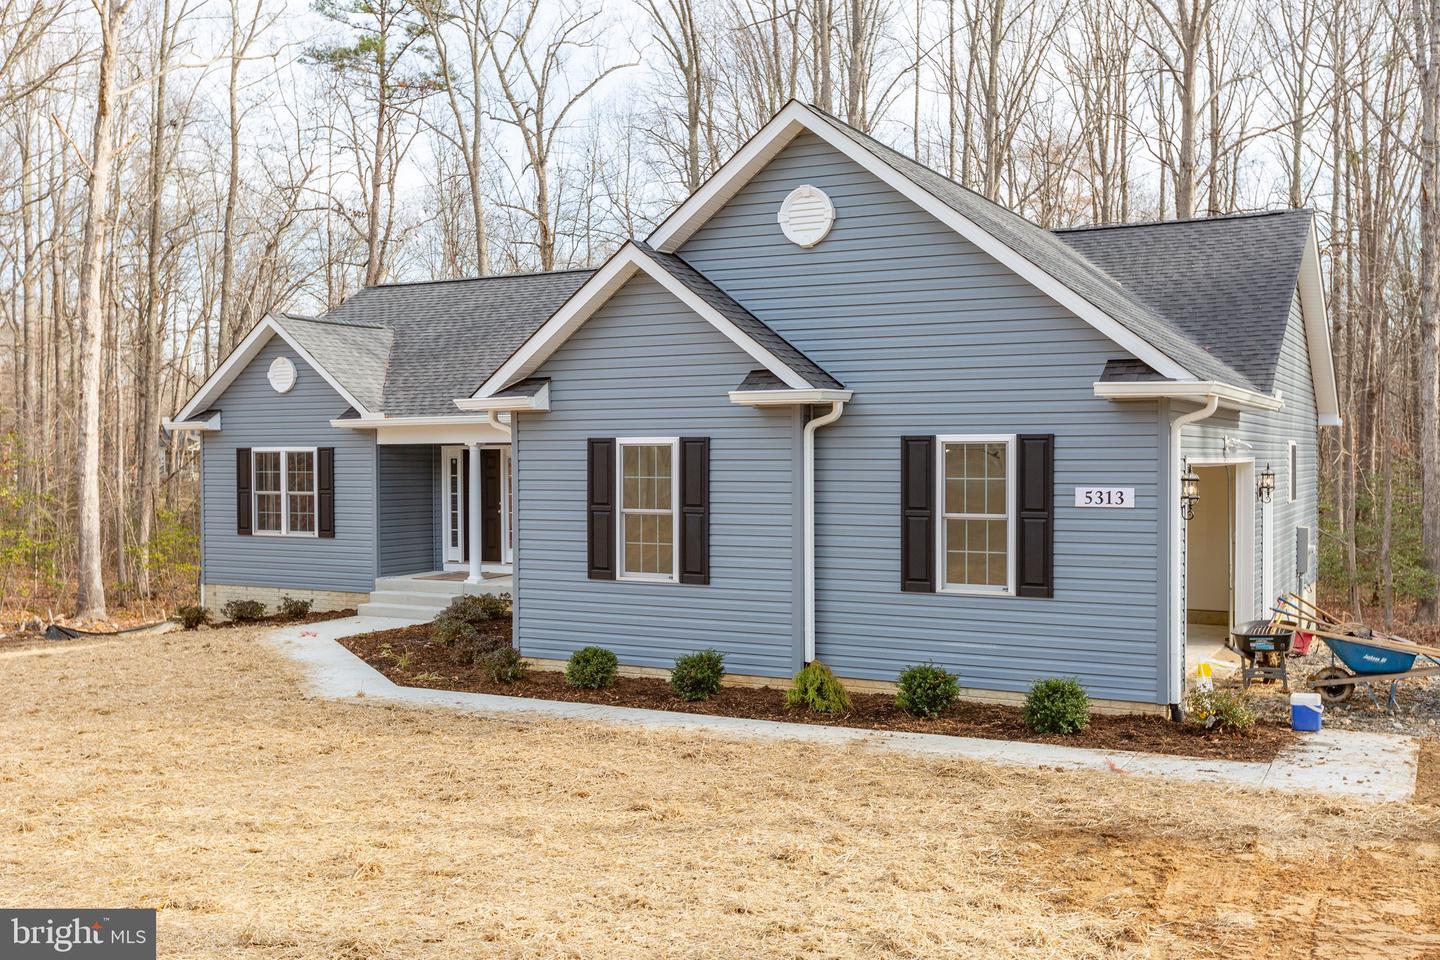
(1306,711)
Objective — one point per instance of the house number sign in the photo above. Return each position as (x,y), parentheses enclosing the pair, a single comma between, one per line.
(1105,497)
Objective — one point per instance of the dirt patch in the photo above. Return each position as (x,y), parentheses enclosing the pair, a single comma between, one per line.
(29,639)
(190,773)
(1427,780)
(1247,898)
(409,657)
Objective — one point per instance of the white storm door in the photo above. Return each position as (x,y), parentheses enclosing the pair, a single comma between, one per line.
(1267,560)
(452,503)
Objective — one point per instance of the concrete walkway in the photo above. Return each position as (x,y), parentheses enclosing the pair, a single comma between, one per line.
(1369,766)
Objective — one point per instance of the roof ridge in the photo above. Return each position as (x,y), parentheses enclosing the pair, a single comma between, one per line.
(488,276)
(1213,218)
(324,318)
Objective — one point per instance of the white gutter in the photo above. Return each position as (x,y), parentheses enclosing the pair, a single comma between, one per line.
(493,419)
(785,398)
(539,400)
(1177,531)
(209,424)
(837,407)
(1195,390)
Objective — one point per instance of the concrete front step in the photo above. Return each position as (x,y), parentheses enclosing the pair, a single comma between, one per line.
(396,611)
(412,598)
(449,588)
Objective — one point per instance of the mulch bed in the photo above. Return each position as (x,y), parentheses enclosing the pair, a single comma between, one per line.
(431,665)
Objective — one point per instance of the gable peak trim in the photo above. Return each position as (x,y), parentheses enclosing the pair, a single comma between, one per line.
(247,350)
(796,117)
(629,260)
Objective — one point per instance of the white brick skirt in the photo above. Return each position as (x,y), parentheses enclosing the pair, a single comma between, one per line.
(216,595)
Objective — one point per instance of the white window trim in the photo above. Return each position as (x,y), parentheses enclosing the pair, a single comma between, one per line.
(620,444)
(285,530)
(1292,469)
(941,585)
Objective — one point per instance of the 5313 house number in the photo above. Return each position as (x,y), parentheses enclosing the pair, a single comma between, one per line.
(1105,497)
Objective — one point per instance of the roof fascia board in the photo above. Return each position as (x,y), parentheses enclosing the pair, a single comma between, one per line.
(210,424)
(785,398)
(245,351)
(1317,333)
(596,291)
(1197,390)
(539,402)
(714,193)
(374,422)
(692,214)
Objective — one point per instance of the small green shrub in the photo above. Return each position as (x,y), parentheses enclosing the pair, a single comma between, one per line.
(243,611)
(503,665)
(697,675)
(591,668)
(293,608)
(1224,710)
(816,689)
(191,616)
(926,690)
(451,631)
(1057,705)
(479,608)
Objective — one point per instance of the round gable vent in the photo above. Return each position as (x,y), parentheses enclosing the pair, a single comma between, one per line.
(282,374)
(806,216)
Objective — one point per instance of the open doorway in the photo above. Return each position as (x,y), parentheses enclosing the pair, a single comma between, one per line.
(1219,563)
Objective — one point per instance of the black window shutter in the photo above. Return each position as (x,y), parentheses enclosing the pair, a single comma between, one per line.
(325,491)
(695,510)
(1035,565)
(917,514)
(600,509)
(242,492)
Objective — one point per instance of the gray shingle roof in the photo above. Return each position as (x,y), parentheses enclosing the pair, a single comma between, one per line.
(1059,259)
(1227,282)
(752,325)
(528,387)
(1128,370)
(761,380)
(449,336)
(355,354)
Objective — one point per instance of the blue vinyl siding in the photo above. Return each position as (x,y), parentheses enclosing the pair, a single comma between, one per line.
(254,415)
(935,337)
(407,510)
(1267,435)
(645,366)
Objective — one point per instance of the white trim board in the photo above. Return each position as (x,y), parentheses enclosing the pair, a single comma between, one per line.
(1317,333)
(624,264)
(245,351)
(795,117)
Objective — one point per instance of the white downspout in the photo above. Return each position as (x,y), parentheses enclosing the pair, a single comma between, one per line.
(808,456)
(1177,532)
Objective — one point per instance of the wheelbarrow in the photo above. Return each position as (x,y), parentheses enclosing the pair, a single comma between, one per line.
(1356,660)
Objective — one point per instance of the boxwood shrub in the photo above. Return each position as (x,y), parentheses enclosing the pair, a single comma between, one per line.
(592,668)
(697,675)
(926,690)
(1057,705)
(243,611)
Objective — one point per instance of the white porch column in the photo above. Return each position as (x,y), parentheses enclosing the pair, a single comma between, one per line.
(472,513)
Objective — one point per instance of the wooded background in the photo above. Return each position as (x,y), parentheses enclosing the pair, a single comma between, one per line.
(171,170)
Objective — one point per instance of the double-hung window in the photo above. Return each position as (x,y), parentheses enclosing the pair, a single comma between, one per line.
(284,491)
(649,489)
(976,535)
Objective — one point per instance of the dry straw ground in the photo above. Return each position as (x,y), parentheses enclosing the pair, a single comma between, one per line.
(188,774)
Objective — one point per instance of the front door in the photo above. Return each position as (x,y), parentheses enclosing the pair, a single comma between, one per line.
(490,489)
(454,487)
